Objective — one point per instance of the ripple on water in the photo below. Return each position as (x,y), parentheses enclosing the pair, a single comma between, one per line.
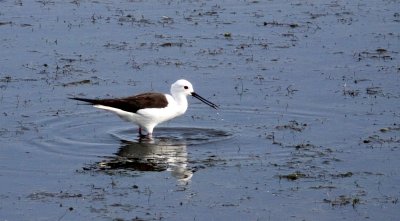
(93,134)
(175,135)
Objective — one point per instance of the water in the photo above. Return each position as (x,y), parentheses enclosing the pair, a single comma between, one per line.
(308,125)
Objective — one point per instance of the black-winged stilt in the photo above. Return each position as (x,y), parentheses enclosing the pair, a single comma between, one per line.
(149,109)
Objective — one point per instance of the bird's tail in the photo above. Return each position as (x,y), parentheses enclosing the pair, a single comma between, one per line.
(90,101)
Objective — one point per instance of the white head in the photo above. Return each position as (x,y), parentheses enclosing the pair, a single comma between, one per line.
(184,87)
(181,87)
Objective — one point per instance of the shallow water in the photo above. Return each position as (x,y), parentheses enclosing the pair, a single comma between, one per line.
(308,126)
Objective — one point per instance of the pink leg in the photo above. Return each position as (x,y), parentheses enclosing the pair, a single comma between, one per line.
(141,135)
(140,131)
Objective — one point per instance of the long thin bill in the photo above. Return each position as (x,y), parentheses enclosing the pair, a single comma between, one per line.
(209,103)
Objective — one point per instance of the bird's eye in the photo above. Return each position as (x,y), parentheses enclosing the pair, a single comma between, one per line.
(186,87)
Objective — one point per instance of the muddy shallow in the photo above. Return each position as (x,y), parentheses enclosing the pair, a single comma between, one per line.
(309,125)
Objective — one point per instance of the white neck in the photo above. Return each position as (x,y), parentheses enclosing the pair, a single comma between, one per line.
(180,99)
(181,102)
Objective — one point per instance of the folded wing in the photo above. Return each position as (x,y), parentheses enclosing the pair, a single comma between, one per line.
(132,103)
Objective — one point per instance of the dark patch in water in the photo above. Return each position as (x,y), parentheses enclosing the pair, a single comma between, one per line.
(343,201)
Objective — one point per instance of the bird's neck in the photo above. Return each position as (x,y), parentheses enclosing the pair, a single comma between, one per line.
(181,101)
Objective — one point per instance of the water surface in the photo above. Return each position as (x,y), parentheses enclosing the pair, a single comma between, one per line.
(308,126)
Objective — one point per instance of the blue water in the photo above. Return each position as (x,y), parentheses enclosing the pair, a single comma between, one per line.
(308,125)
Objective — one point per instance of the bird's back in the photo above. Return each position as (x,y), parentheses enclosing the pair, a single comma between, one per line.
(131,104)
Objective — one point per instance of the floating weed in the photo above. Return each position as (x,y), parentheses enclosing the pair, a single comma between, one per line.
(389,129)
(374,91)
(279,24)
(342,175)
(293,176)
(379,53)
(76,83)
(343,201)
(385,137)
(350,92)
(172,44)
(292,125)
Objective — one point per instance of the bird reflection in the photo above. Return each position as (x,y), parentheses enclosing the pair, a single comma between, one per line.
(151,155)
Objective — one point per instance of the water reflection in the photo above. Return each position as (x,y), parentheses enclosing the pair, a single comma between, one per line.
(151,155)
(165,152)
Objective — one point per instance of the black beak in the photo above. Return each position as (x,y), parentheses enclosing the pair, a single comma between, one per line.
(209,103)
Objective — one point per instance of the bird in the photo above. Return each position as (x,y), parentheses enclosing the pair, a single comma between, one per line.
(149,109)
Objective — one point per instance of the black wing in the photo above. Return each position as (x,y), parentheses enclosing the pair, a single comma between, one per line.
(132,103)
